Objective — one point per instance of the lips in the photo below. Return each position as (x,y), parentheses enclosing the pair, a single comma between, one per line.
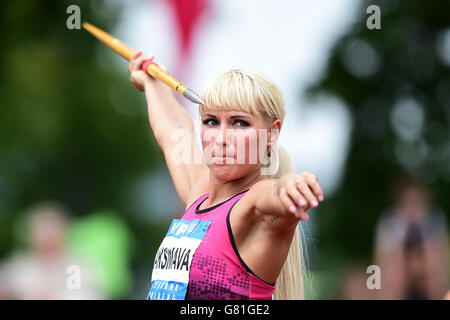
(222,155)
(223,160)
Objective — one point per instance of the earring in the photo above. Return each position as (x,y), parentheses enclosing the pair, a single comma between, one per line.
(268,151)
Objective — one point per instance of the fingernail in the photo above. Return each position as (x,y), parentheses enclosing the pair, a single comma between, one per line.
(320,198)
(314,203)
(292,209)
(302,202)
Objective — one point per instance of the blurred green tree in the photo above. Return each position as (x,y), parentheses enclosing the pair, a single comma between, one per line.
(72,127)
(396,84)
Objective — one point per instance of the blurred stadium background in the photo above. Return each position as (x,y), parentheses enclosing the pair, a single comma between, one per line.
(82,181)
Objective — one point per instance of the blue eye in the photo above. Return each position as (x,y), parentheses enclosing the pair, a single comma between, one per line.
(243,123)
(213,122)
(207,122)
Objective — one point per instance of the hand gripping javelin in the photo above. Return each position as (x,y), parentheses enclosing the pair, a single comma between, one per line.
(148,66)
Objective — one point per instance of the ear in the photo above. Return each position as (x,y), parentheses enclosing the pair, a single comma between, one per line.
(274,132)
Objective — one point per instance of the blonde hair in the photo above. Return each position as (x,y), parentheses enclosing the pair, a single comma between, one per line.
(249,91)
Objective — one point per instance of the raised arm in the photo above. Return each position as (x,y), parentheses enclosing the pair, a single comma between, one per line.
(168,118)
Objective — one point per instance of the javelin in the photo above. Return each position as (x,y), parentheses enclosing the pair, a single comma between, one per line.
(149,66)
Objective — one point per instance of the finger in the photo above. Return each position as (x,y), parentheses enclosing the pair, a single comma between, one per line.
(318,191)
(137,54)
(295,195)
(315,188)
(133,58)
(306,192)
(287,202)
(148,57)
(136,63)
(313,182)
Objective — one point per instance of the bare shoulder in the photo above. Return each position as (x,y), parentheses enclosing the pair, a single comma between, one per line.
(259,235)
(261,189)
(199,188)
(244,211)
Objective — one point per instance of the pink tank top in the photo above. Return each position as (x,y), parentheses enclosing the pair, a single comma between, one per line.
(217,270)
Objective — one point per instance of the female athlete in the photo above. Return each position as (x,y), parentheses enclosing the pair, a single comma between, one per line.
(239,236)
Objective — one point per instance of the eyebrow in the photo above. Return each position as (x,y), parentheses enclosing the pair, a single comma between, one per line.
(232,117)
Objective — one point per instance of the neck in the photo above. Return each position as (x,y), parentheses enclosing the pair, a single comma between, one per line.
(222,190)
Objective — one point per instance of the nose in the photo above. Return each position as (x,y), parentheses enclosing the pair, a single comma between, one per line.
(221,136)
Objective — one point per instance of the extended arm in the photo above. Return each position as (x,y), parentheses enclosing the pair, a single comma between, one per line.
(287,198)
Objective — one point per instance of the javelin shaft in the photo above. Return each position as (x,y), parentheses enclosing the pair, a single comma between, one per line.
(152,69)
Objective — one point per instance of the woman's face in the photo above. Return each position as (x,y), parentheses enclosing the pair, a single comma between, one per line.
(235,143)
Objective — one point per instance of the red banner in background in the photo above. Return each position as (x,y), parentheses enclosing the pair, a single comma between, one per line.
(187,14)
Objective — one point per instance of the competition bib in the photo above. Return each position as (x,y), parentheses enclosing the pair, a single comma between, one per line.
(170,276)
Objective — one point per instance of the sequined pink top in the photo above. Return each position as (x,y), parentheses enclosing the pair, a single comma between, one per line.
(217,270)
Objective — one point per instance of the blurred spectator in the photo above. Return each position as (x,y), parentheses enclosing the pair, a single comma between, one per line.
(412,245)
(42,271)
(353,285)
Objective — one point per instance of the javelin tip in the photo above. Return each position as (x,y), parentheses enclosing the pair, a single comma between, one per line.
(191,95)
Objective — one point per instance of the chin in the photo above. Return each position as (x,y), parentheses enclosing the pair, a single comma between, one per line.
(230,172)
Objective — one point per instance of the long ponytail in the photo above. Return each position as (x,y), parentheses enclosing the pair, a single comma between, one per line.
(289,285)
